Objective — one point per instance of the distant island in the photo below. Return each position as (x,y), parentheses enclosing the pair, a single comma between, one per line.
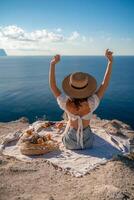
(2,52)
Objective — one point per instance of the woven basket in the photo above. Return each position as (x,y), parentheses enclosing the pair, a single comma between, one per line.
(29,149)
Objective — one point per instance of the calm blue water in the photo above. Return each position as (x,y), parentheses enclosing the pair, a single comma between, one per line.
(24,89)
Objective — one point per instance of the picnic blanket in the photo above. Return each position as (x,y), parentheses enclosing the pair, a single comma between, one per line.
(78,162)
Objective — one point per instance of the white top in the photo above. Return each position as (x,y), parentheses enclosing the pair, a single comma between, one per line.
(93,103)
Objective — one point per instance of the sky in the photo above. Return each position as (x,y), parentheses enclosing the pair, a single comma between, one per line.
(67,27)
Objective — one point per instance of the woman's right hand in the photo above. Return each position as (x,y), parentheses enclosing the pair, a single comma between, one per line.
(55,59)
(109,55)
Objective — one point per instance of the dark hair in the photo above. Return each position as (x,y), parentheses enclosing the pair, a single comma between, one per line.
(78,102)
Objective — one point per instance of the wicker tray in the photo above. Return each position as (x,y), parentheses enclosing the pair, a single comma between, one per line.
(29,149)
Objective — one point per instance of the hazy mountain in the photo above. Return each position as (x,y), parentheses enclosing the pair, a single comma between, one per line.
(2,52)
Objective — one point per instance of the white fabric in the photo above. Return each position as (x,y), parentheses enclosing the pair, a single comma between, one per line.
(93,103)
(77,163)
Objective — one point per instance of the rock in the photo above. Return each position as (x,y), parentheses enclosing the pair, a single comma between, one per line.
(24,120)
(51,198)
(3,161)
(131,145)
(118,124)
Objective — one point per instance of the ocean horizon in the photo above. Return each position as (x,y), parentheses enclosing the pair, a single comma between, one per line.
(24,86)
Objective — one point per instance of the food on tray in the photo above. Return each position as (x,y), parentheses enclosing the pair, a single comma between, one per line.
(59,125)
(36,144)
(47,124)
(40,141)
(26,135)
(29,132)
(49,137)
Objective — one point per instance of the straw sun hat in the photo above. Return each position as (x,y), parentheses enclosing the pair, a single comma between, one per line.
(79,85)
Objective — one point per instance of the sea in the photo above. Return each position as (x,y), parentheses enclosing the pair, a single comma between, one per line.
(25,91)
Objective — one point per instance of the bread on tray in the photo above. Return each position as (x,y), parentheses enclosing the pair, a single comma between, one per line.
(34,144)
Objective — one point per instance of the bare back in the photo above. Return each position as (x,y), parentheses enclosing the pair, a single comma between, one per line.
(81,111)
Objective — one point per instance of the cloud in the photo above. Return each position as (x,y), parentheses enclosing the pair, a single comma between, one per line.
(75,35)
(42,40)
(12,32)
(18,34)
(15,37)
(58,30)
(44,35)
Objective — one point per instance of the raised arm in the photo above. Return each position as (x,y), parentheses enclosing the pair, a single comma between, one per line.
(52,80)
(101,90)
